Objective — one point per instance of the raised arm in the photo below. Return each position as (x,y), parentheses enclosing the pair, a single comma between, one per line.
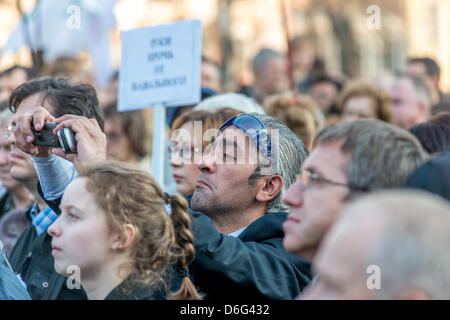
(56,169)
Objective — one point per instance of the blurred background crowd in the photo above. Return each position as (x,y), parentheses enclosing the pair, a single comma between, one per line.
(334,58)
(307,63)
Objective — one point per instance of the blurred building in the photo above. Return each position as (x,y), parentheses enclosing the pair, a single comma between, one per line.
(234,30)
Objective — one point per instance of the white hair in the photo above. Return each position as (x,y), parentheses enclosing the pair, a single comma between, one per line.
(236,101)
(411,248)
(5,118)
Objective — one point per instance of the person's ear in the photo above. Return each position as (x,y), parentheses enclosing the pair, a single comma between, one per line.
(125,239)
(424,109)
(271,186)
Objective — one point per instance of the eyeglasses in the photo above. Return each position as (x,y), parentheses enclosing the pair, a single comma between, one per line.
(255,129)
(183,151)
(307,178)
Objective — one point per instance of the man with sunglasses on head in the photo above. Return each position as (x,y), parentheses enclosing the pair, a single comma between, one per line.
(238,234)
(348,159)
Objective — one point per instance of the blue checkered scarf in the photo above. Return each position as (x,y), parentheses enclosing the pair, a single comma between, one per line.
(42,220)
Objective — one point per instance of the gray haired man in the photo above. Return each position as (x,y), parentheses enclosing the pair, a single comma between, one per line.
(270,74)
(411,102)
(348,159)
(238,236)
(388,245)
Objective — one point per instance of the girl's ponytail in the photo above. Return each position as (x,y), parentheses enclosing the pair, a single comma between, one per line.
(185,251)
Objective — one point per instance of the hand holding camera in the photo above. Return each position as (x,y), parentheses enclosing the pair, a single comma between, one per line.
(90,139)
(74,138)
(24,135)
(64,138)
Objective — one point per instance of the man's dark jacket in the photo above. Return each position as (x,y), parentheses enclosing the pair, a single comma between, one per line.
(252,266)
(6,203)
(432,176)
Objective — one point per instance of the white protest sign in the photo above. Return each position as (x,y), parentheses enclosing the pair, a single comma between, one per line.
(160,64)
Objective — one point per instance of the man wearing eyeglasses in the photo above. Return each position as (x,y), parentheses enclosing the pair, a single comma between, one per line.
(348,159)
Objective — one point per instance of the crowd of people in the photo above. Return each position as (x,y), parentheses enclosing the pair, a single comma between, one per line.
(338,189)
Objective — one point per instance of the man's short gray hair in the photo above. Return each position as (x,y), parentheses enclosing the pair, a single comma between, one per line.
(236,101)
(411,248)
(290,153)
(419,90)
(262,57)
(382,155)
(5,118)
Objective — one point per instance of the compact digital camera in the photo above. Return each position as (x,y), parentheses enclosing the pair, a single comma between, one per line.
(64,138)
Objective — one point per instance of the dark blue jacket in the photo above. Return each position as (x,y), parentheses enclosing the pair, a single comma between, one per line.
(10,286)
(432,176)
(254,265)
